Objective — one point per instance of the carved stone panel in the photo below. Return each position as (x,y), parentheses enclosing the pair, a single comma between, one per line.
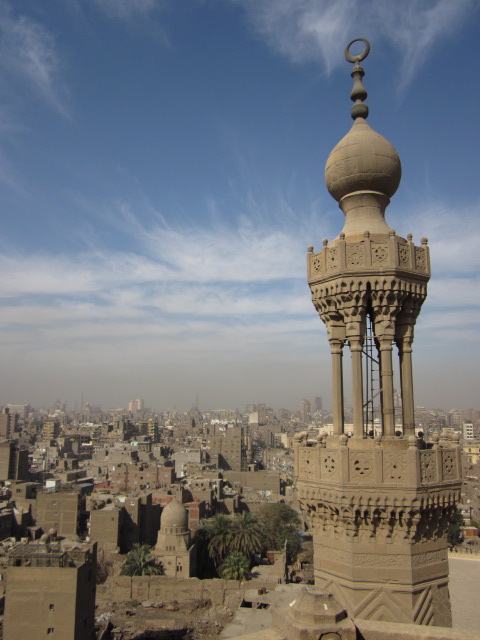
(403,254)
(395,467)
(332,259)
(307,465)
(379,252)
(420,262)
(449,465)
(361,466)
(428,466)
(316,264)
(433,557)
(355,254)
(329,464)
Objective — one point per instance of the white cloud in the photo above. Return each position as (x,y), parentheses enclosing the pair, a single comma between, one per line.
(453,236)
(28,54)
(318,30)
(203,301)
(125,9)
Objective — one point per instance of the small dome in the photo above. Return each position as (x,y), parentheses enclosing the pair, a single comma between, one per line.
(174,515)
(362,161)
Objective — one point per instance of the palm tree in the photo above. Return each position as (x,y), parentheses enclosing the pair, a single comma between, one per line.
(235,567)
(140,561)
(201,540)
(246,535)
(219,531)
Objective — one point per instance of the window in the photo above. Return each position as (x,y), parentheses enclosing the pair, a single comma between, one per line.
(50,631)
(51,607)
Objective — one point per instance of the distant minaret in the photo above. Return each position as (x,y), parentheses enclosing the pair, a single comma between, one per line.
(379,507)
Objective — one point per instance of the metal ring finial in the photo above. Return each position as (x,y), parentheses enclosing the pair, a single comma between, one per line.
(362,55)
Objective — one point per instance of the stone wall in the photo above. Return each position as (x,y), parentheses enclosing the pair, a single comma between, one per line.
(163,589)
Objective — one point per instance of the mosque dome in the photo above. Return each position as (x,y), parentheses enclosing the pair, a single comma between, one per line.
(174,515)
(363,160)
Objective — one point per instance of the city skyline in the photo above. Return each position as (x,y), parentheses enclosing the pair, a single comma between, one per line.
(161,170)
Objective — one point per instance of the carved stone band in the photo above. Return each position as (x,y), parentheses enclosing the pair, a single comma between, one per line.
(362,55)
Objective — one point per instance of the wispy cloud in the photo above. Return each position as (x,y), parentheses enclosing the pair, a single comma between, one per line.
(126,9)
(212,298)
(317,30)
(28,55)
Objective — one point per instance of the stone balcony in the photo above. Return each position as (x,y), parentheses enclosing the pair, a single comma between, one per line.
(388,462)
(390,254)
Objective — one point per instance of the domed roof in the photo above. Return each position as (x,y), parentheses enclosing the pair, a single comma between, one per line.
(363,160)
(174,515)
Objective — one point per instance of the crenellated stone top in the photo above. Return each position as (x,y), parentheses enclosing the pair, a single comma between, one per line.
(373,252)
(407,462)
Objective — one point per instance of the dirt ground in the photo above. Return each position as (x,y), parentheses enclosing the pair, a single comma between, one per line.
(189,620)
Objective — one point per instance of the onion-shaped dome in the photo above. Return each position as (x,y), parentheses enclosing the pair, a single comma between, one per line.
(363,160)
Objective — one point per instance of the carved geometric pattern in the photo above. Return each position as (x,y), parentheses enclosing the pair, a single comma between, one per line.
(395,467)
(307,466)
(428,466)
(332,259)
(355,254)
(423,608)
(379,606)
(420,258)
(449,465)
(433,557)
(329,465)
(361,466)
(403,253)
(317,264)
(379,252)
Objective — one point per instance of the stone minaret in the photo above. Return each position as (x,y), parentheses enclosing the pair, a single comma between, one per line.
(378,506)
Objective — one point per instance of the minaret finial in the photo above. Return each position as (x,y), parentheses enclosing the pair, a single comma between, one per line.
(359,93)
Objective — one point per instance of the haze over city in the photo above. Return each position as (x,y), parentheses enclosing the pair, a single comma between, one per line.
(161,174)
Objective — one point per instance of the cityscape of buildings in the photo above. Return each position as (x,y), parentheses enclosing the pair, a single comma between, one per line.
(339,518)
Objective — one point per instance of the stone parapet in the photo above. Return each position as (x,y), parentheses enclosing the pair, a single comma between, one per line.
(396,463)
(388,253)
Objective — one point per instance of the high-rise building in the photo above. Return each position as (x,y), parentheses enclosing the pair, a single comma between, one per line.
(5,423)
(136,405)
(378,503)
(306,410)
(13,462)
(51,430)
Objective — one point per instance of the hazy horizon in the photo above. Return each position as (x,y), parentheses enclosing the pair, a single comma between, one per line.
(161,170)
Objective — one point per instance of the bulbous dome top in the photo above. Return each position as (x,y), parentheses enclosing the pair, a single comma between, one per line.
(363,160)
(174,515)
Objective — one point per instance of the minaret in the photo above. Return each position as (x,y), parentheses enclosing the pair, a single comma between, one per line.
(378,505)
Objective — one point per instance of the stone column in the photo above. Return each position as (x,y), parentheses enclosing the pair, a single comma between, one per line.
(356,347)
(386,374)
(406,385)
(336,347)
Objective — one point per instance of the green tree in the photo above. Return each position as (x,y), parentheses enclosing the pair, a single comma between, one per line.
(201,540)
(235,567)
(246,535)
(219,532)
(280,523)
(454,533)
(140,561)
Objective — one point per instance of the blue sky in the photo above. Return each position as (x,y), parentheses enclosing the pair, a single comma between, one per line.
(161,175)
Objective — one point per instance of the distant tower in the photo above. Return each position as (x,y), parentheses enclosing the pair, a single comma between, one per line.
(378,507)
(5,423)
